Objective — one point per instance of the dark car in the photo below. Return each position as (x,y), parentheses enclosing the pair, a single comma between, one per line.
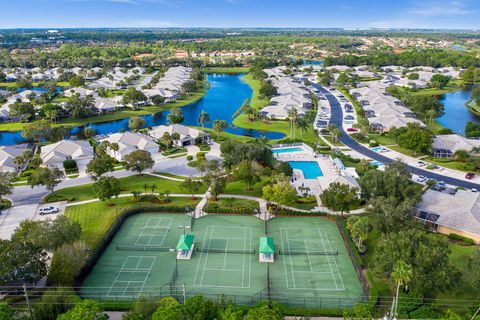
(470,175)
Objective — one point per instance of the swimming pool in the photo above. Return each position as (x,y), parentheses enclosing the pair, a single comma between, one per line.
(377,163)
(377,149)
(310,169)
(286,150)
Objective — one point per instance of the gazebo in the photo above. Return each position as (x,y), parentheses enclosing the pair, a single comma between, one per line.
(266,249)
(185,246)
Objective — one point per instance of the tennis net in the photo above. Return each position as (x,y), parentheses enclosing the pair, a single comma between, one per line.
(216,250)
(143,248)
(307,253)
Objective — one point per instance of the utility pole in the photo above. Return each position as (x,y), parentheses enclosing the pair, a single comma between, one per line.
(32,316)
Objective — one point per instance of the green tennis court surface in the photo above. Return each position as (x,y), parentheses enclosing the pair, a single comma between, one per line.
(312,267)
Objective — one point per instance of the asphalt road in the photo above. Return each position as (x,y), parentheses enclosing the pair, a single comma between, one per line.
(337,119)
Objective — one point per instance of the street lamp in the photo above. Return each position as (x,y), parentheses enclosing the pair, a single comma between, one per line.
(184,228)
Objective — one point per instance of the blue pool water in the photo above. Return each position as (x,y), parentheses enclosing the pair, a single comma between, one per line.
(377,149)
(286,150)
(310,169)
(225,94)
(377,163)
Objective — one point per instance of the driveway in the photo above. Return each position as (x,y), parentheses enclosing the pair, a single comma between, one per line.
(337,116)
(10,219)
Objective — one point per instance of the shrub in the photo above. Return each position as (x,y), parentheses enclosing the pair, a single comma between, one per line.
(373,143)
(424,312)
(200,156)
(69,164)
(189,158)
(457,237)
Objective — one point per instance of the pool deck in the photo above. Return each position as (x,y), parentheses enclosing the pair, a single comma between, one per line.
(325,162)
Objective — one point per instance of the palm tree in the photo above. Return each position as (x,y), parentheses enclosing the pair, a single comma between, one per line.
(153,187)
(115,147)
(292,115)
(203,118)
(334,132)
(402,274)
(431,115)
(303,125)
(145,187)
(262,141)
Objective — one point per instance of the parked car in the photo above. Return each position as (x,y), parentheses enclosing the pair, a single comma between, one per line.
(421,163)
(352,129)
(470,175)
(348,117)
(474,190)
(48,210)
(421,179)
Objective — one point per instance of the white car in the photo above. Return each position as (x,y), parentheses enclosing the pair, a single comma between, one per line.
(47,210)
(421,179)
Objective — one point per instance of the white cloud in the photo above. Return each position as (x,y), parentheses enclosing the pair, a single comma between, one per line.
(436,8)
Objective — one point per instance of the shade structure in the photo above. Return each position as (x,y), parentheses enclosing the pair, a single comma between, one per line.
(185,242)
(266,245)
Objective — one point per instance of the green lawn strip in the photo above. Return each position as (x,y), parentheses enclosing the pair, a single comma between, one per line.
(225,135)
(257,103)
(453,85)
(117,115)
(234,70)
(240,188)
(451,164)
(459,256)
(234,202)
(171,175)
(97,217)
(128,184)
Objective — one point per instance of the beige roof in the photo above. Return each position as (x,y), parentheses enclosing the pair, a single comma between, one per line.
(131,141)
(7,155)
(184,131)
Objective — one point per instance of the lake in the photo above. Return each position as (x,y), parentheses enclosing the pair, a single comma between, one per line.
(225,94)
(456,115)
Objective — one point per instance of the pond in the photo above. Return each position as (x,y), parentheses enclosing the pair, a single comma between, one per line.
(225,94)
(456,115)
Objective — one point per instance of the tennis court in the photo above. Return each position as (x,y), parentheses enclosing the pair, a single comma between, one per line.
(312,267)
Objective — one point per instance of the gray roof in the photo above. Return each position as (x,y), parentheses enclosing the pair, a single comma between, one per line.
(460,211)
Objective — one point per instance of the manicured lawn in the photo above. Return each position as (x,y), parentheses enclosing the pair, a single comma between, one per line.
(455,165)
(257,102)
(128,184)
(228,70)
(225,136)
(232,202)
(453,85)
(97,217)
(240,188)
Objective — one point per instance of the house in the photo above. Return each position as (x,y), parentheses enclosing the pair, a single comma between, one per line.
(456,211)
(187,135)
(130,141)
(7,157)
(444,146)
(53,155)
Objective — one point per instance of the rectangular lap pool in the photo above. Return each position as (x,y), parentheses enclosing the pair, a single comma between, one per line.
(286,150)
(310,169)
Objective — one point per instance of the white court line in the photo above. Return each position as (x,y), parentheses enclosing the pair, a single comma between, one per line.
(334,260)
(200,260)
(149,271)
(225,258)
(118,274)
(284,258)
(229,238)
(308,255)
(291,262)
(206,256)
(235,270)
(328,258)
(243,260)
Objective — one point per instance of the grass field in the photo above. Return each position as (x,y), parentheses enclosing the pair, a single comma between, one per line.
(312,267)
(235,70)
(97,217)
(128,184)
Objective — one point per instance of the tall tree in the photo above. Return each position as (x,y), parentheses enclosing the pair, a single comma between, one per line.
(139,161)
(136,123)
(107,187)
(339,197)
(175,116)
(203,118)
(191,185)
(402,274)
(6,185)
(219,126)
(47,177)
(99,166)
(85,310)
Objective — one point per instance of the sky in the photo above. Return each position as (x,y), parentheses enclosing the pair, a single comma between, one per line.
(363,14)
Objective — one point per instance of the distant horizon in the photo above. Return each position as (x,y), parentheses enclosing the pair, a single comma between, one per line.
(347,14)
(340,29)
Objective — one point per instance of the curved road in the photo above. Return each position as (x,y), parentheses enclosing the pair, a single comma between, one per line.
(337,119)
